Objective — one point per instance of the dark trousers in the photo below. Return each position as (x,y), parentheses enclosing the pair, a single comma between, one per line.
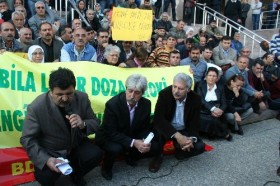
(114,149)
(173,5)
(82,159)
(233,30)
(199,146)
(189,15)
(243,21)
(271,19)
(157,8)
(213,126)
(274,104)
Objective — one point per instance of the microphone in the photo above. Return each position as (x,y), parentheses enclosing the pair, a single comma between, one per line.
(68,109)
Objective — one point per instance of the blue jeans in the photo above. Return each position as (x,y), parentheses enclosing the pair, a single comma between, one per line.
(106,4)
(274,104)
(255,21)
(31,6)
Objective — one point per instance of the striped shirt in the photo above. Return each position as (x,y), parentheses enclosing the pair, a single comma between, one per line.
(159,57)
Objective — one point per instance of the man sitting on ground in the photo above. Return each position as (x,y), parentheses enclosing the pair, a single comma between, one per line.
(177,117)
(126,122)
(258,81)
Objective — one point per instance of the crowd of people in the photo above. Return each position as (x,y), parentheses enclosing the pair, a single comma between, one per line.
(228,85)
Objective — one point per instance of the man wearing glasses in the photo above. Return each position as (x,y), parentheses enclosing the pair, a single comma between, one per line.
(42,15)
(79,49)
(56,125)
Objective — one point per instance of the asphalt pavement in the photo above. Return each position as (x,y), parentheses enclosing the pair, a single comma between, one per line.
(249,160)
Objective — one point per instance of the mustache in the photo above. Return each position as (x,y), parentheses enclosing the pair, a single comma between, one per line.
(10,35)
(132,100)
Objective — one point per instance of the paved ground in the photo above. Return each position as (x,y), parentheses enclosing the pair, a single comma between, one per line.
(249,160)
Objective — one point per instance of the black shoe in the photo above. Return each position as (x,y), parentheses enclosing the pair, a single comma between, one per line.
(155,164)
(108,175)
(211,138)
(79,181)
(257,111)
(228,137)
(179,155)
(131,162)
(240,130)
(278,171)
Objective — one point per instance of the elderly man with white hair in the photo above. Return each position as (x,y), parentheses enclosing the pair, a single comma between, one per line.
(126,123)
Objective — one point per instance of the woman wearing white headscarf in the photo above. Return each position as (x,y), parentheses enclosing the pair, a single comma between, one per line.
(36,54)
(189,32)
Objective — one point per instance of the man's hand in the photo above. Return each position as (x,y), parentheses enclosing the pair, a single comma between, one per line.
(273,77)
(237,117)
(232,63)
(180,40)
(235,91)
(141,146)
(57,23)
(218,36)
(2,51)
(191,70)
(104,45)
(123,65)
(258,94)
(75,121)
(184,142)
(260,76)
(52,162)
(217,112)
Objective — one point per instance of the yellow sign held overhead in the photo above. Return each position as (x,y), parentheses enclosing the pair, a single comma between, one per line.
(131,24)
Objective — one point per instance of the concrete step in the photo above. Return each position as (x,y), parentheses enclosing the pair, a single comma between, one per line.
(257,51)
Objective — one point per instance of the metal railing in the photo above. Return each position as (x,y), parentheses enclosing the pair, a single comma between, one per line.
(269,19)
(221,19)
(63,14)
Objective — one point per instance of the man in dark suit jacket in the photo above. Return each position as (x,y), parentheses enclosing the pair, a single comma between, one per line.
(177,115)
(126,122)
(56,125)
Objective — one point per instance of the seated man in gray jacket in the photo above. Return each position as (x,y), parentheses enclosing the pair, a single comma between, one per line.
(43,15)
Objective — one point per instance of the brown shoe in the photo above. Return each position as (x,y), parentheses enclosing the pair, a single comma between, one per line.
(155,164)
